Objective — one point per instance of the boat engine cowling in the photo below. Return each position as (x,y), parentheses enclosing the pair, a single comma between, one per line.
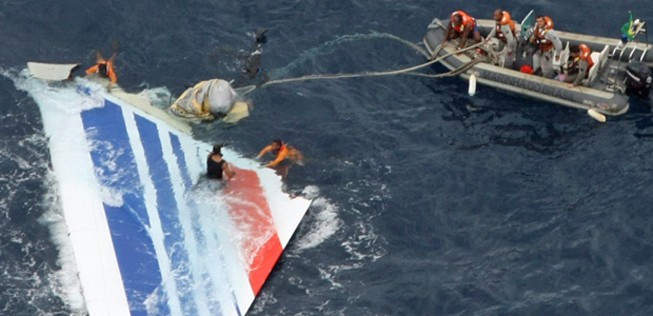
(638,79)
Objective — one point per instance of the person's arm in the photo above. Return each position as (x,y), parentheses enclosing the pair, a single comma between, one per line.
(533,38)
(111,72)
(465,35)
(492,33)
(582,71)
(447,35)
(510,38)
(226,167)
(552,36)
(112,77)
(92,69)
(283,153)
(264,151)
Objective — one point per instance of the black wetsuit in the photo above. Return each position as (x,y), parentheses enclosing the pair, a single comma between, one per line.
(214,169)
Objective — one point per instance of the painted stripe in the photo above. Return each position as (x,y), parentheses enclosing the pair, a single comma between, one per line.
(249,207)
(216,226)
(198,273)
(116,170)
(168,211)
(83,211)
(208,283)
(155,229)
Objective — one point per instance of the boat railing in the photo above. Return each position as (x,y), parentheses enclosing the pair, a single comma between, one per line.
(633,45)
(621,50)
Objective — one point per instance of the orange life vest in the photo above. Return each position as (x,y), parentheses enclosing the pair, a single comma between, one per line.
(466,21)
(545,44)
(505,20)
(111,73)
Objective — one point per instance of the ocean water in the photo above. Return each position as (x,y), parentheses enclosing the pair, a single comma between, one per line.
(429,202)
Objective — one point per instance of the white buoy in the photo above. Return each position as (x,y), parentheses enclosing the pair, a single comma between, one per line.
(596,115)
(472,85)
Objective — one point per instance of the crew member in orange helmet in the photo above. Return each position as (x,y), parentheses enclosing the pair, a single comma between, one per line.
(580,65)
(504,30)
(547,41)
(104,68)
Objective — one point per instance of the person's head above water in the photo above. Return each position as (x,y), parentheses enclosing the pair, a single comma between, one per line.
(217,149)
(103,70)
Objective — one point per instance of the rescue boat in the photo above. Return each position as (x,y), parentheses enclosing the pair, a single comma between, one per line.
(619,70)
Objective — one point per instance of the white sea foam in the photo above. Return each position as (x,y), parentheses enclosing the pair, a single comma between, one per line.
(69,287)
(60,96)
(324,224)
(159,97)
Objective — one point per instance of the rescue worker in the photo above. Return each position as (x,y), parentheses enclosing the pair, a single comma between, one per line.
(216,167)
(580,65)
(546,39)
(282,151)
(464,26)
(104,68)
(504,30)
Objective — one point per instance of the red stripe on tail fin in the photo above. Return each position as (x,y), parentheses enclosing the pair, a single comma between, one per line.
(250,211)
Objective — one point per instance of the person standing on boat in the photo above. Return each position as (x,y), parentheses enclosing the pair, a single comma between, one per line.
(216,167)
(463,26)
(546,39)
(103,68)
(580,65)
(504,30)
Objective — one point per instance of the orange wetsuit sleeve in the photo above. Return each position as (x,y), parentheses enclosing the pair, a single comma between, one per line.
(283,153)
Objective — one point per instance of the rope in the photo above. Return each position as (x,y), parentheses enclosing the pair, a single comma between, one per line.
(373,73)
(343,39)
(454,72)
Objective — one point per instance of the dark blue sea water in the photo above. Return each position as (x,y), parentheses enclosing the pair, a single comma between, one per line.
(430,202)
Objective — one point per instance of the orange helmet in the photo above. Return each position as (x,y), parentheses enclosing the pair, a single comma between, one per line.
(585,51)
(548,23)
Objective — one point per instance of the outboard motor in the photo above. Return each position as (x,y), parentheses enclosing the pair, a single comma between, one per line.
(638,79)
